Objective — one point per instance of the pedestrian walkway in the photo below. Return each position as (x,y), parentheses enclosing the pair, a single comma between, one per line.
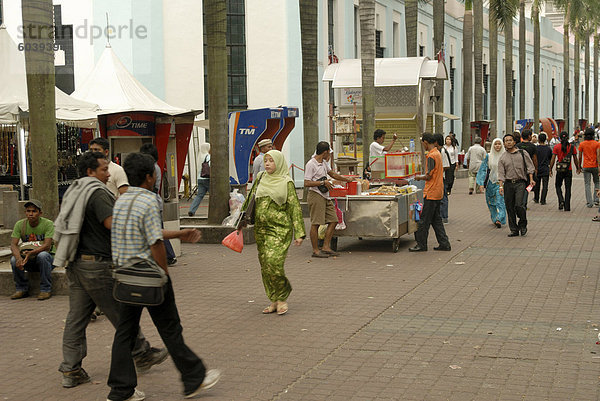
(496,318)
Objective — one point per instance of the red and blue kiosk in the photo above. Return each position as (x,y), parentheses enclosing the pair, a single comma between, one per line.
(247,128)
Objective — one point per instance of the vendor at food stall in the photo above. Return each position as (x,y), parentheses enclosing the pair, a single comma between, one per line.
(377,148)
(322,210)
(433,194)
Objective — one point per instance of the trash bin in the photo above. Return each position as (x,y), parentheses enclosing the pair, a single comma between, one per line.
(347,165)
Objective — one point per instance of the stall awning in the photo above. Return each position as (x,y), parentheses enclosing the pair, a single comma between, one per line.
(404,71)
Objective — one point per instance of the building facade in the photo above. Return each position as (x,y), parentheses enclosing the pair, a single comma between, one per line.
(161,43)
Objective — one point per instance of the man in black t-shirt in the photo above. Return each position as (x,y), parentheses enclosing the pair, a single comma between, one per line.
(530,148)
(90,274)
(543,155)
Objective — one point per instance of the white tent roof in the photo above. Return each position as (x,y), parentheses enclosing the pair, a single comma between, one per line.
(405,71)
(114,89)
(13,88)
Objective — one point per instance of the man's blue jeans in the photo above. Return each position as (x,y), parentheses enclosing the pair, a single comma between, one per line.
(203,186)
(590,174)
(41,263)
(444,203)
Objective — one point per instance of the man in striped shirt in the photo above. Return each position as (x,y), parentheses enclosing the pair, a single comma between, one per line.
(137,233)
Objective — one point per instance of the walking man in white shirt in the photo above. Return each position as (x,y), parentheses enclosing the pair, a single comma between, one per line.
(117,182)
(474,158)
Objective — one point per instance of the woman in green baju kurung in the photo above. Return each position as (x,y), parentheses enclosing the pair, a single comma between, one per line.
(278,219)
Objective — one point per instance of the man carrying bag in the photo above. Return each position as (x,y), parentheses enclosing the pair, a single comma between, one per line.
(82,230)
(137,234)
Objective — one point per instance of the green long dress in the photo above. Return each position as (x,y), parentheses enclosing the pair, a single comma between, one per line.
(274,228)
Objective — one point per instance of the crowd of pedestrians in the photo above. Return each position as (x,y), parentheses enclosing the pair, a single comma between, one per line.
(523,162)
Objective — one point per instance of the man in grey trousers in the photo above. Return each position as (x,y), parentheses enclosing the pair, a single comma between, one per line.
(83,228)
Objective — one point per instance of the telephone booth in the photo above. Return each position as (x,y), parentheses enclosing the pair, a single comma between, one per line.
(561,124)
(480,129)
(247,128)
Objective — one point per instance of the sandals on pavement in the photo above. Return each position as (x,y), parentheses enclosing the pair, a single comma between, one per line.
(330,253)
(320,255)
(596,218)
(270,309)
(282,308)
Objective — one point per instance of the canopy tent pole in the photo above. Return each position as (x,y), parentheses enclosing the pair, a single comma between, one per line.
(22,157)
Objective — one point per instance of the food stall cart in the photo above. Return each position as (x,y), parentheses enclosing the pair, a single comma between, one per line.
(395,216)
(405,102)
(383,212)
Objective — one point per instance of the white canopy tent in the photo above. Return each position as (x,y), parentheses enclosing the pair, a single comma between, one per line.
(116,90)
(13,90)
(14,104)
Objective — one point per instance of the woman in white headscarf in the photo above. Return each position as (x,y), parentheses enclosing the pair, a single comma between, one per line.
(278,221)
(487,177)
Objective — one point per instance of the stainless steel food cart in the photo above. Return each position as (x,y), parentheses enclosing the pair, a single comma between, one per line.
(378,216)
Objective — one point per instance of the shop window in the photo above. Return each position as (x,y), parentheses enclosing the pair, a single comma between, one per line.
(486,77)
(65,77)
(236,57)
(330,41)
(553,98)
(378,49)
(513,97)
(452,75)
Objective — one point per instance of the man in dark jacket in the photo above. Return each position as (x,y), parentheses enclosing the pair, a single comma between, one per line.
(543,155)
(530,148)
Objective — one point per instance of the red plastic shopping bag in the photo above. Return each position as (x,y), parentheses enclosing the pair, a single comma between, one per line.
(234,241)
(341,225)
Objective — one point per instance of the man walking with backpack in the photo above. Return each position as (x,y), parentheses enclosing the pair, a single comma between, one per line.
(515,172)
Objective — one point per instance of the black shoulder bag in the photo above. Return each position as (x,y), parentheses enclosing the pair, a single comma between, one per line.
(139,281)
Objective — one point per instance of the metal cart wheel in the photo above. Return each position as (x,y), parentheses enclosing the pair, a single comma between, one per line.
(334,243)
(396,244)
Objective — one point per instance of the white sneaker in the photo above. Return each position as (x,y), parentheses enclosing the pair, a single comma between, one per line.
(137,396)
(211,378)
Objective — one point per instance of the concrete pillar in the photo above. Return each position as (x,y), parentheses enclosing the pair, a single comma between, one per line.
(12,212)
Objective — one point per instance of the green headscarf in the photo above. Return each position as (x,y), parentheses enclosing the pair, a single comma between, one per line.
(275,185)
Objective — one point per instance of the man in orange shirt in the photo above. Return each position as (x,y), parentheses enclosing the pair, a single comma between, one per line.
(433,193)
(589,155)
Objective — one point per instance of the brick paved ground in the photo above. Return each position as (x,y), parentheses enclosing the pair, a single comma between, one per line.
(496,318)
